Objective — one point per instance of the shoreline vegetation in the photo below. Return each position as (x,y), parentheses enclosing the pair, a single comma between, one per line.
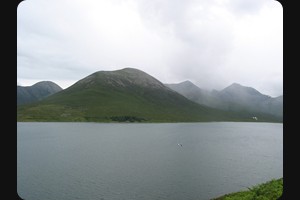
(271,190)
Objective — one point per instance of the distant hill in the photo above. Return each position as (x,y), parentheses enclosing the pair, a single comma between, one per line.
(36,92)
(235,98)
(273,106)
(123,95)
(192,92)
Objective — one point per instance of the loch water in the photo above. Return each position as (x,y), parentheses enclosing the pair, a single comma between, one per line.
(145,161)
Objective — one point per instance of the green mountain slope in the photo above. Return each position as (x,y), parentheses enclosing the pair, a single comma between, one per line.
(123,95)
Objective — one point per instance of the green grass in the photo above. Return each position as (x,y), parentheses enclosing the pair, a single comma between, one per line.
(270,190)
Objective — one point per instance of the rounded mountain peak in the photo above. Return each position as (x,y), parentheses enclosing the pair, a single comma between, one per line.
(122,78)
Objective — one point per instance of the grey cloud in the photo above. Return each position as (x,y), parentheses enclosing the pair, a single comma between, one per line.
(173,40)
(246,7)
(205,39)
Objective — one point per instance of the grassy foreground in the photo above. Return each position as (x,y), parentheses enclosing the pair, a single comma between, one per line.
(270,190)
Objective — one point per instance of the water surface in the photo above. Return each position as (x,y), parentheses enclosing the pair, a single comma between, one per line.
(145,161)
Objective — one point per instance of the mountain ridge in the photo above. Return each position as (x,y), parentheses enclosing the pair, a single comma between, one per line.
(127,94)
(234,97)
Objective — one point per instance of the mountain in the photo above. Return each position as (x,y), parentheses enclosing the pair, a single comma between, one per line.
(36,92)
(241,98)
(238,97)
(273,106)
(192,92)
(235,98)
(122,95)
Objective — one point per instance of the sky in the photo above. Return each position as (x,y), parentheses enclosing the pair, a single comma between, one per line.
(212,43)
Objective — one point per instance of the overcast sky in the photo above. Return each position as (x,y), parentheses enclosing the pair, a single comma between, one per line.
(212,43)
